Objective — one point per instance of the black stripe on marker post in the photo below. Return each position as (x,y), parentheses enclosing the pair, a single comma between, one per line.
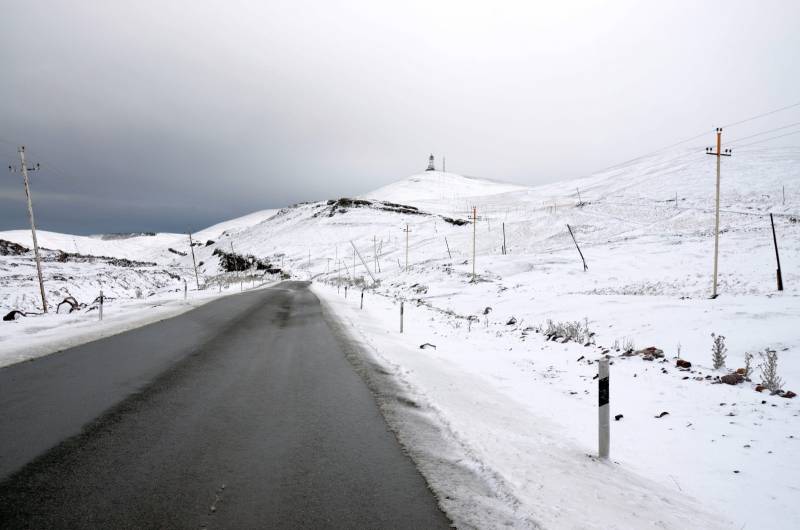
(603,394)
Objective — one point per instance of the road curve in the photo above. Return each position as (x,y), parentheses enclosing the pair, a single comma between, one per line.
(243,413)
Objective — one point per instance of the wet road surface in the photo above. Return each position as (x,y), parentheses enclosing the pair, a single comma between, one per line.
(243,413)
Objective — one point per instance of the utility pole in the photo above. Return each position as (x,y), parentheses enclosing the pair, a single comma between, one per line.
(407,230)
(24,168)
(474,234)
(777,256)
(719,154)
(194,262)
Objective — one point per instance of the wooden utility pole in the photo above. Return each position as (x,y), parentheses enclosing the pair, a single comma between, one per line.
(194,262)
(24,169)
(474,235)
(407,230)
(585,267)
(719,154)
(777,257)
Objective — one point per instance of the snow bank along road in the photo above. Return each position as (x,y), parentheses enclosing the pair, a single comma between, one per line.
(244,413)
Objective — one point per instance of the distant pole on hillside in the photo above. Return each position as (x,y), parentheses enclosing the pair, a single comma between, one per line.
(474,235)
(407,230)
(24,168)
(194,262)
(719,154)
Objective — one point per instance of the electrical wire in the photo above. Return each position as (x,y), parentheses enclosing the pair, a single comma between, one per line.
(762,115)
(770,138)
(763,132)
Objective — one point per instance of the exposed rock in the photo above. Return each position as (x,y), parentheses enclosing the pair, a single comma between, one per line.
(8,248)
(426,346)
(511,321)
(618,417)
(651,351)
(732,379)
(665,413)
(760,388)
(487,310)
(680,363)
(788,394)
(741,371)
(13,315)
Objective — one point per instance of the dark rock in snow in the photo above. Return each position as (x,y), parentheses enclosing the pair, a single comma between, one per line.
(487,310)
(511,321)
(732,379)
(13,315)
(665,413)
(759,388)
(652,351)
(789,394)
(680,363)
(426,346)
(618,417)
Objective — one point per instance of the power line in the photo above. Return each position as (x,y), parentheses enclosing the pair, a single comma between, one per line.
(762,115)
(770,138)
(763,132)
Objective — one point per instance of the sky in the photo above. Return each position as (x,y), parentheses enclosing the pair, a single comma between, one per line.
(173,115)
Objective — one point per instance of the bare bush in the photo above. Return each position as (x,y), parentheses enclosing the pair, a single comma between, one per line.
(575,331)
(627,344)
(769,371)
(718,351)
(748,368)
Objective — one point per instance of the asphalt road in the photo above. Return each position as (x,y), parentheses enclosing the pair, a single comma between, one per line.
(244,413)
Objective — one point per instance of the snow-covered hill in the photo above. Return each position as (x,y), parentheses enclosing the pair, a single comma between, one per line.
(646,232)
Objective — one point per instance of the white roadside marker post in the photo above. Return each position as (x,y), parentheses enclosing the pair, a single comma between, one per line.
(603,410)
(401,316)
(101,304)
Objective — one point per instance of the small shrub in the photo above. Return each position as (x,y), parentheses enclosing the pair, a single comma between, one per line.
(575,331)
(769,371)
(628,344)
(748,361)
(718,351)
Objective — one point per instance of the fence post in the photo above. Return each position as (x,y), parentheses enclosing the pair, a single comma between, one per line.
(345,291)
(185,290)
(362,299)
(401,316)
(101,304)
(603,410)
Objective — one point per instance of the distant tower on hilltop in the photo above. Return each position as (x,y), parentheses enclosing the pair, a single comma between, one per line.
(431,167)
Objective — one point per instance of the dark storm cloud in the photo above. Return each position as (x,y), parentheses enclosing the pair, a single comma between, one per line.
(167,115)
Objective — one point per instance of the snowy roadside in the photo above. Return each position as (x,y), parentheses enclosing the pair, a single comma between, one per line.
(39,335)
(505,426)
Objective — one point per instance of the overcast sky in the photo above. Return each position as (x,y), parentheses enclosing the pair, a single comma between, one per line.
(171,115)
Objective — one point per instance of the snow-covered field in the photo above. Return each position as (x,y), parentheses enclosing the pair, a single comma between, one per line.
(522,408)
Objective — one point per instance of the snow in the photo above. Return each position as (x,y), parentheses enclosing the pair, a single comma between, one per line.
(520,411)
